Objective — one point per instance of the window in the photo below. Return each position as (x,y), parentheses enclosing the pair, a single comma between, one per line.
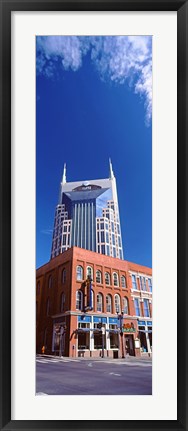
(146,308)
(50,282)
(48,307)
(117,303)
(99,302)
(134,283)
(125,306)
(102,236)
(137,306)
(98,276)
(79,272)
(103,249)
(63,276)
(123,281)
(142,283)
(90,272)
(115,279)
(79,300)
(107,278)
(62,302)
(83,337)
(150,284)
(108,303)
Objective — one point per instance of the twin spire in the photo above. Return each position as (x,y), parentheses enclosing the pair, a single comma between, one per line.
(64,179)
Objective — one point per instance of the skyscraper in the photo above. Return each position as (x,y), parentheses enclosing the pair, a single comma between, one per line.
(87,216)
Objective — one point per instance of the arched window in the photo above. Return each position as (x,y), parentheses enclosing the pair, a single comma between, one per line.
(108,303)
(98,276)
(50,282)
(62,302)
(115,279)
(48,307)
(107,279)
(123,281)
(89,271)
(125,306)
(79,300)
(79,273)
(63,276)
(117,303)
(99,302)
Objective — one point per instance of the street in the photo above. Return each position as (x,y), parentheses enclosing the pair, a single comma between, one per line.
(100,376)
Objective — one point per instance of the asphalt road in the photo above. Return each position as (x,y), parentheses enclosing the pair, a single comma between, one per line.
(93,377)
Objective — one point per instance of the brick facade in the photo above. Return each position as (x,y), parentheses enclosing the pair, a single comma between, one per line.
(65,327)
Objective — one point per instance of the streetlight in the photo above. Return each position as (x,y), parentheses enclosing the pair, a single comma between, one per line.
(120,318)
(103,333)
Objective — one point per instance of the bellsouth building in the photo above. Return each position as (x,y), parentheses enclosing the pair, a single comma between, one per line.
(87,216)
(89,301)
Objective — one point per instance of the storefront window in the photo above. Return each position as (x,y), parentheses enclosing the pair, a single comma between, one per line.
(83,336)
(114,337)
(142,335)
(98,337)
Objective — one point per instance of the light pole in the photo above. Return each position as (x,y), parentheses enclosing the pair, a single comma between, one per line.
(103,333)
(120,318)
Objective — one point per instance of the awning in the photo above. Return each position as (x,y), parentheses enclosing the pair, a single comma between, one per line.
(116,331)
(143,330)
(84,329)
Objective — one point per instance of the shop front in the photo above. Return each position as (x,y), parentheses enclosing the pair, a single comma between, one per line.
(101,336)
(145,336)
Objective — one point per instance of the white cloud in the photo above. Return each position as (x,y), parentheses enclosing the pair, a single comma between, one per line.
(118,58)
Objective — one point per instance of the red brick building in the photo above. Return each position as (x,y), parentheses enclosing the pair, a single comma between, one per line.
(109,316)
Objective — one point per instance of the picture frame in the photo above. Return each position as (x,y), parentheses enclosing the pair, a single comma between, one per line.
(5,204)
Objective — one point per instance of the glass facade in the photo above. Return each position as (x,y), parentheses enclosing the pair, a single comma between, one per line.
(87,216)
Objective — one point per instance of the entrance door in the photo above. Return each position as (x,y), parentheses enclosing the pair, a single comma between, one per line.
(129,345)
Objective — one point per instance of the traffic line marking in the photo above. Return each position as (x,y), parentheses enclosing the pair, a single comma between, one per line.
(115,374)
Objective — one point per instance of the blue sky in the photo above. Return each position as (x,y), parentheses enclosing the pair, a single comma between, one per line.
(94,101)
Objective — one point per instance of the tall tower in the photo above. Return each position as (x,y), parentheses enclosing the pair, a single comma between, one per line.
(87,216)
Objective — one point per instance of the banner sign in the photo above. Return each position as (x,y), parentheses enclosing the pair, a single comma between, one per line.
(113,320)
(128,327)
(88,294)
(97,319)
(84,319)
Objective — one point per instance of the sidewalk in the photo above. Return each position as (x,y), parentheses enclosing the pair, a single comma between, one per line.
(99,358)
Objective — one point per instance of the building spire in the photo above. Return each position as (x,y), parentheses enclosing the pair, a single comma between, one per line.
(64,174)
(111,170)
